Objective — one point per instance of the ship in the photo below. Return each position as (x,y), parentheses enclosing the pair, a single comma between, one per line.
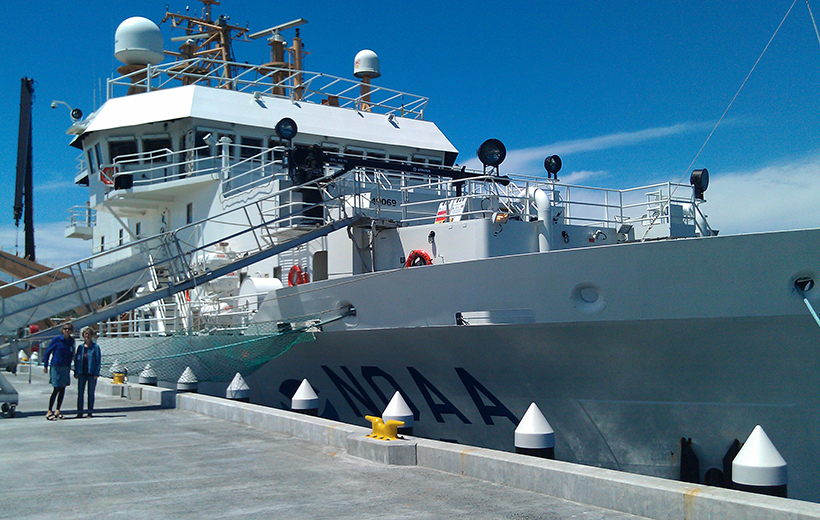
(287,225)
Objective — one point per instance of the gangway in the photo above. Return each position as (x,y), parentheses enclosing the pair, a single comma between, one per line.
(76,286)
(264,218)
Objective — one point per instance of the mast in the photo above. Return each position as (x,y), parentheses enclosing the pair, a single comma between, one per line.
(23,193)
(207,38)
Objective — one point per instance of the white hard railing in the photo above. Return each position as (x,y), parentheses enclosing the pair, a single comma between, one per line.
(82,216)
(413,198)
(313,87)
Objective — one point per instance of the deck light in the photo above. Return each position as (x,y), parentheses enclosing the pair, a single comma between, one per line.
(553,165)
(492,153)
(286,129)
(700,181)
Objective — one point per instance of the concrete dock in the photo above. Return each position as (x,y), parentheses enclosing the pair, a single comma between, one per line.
(153,453)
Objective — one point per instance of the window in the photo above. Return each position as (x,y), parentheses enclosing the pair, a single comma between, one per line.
(94,157)
(276,155)
(189,213)
(157,147)
(92,165)
(138,229)
(121,147)
(251,146)
(102,243)
(120,238)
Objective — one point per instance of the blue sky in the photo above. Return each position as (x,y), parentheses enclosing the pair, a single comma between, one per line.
(626,92)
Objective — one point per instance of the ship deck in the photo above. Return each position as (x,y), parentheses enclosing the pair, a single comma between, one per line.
(210,457)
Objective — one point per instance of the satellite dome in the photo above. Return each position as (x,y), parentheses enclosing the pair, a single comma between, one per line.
(138,41)
(366,64)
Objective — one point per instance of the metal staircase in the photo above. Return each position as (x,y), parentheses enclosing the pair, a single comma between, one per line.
(161,264)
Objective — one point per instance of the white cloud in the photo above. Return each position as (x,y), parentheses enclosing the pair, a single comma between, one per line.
(51,248)
(775,197)
(583,176)
(531,160)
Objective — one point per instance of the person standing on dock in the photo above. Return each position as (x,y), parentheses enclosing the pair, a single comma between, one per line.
(87,362)
(60,352)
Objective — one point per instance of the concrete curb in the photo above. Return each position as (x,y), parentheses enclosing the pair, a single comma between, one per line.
(639,495)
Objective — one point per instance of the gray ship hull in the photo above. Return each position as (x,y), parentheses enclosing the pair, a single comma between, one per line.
(618,395)
(701,338)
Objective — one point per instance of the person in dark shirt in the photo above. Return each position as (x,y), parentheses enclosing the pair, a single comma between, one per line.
(87,361)
(60,352)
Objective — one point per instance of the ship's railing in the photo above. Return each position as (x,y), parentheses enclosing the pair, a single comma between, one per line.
(483,195)
(416,199)
(314,87)
(241,167)
(163,318)
(82,216)
(159,166)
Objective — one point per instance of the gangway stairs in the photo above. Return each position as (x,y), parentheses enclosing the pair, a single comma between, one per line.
(78,286)
(272,225)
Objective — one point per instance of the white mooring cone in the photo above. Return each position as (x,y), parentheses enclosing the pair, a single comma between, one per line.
(187,381)
(534,435)
(758,466)
(305,400)
(397,410)
(238,390)
(148,376)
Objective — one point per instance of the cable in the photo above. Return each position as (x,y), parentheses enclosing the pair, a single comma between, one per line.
(813,22)
(686,172)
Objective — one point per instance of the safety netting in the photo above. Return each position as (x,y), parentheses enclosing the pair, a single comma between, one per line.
(213,355)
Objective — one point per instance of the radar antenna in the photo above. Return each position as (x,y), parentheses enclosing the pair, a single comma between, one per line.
(278,66)
(205,38)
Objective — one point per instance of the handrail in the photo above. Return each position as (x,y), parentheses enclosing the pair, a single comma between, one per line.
(297,85)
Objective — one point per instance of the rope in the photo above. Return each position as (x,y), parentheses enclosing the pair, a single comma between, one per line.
(686,172)
(811,310)
(813,22)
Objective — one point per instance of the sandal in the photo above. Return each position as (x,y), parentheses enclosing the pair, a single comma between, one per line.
(50,415)
(58,415)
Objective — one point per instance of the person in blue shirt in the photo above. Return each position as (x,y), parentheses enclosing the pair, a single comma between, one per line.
(87,361)
(60,352)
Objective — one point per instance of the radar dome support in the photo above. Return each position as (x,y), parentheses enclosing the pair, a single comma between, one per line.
(366,67)
(138,44)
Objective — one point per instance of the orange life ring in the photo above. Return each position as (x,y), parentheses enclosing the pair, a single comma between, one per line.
(418,257)
(107,175)
(294,276)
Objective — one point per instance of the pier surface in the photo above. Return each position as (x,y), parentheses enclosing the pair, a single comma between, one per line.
(213,458)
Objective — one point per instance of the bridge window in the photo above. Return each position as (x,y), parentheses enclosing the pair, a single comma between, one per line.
(251,146)
(94,155)
(157,147)
(121,147)
(274,142)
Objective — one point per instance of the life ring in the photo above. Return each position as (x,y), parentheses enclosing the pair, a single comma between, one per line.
(418,257)
(294,276)
(107,175)
(297,277)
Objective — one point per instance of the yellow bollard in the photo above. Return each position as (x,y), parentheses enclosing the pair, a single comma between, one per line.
(118,379)
(384,431)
